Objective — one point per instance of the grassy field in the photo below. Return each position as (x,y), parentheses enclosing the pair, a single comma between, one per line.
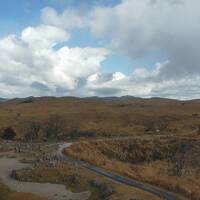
(165,152)
(104,118)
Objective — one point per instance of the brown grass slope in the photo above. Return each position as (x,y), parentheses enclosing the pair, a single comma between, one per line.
(105,118)
(170,163)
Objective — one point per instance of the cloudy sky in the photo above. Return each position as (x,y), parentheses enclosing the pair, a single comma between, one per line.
(142,48)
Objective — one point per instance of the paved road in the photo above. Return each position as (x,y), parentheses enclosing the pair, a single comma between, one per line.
(117,178)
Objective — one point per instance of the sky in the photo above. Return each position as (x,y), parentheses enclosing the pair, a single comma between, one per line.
(145,48)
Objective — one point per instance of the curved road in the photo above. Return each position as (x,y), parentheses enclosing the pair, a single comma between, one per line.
(117,178)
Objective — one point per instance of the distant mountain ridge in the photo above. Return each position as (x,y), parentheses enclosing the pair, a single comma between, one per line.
(127,97)
(109,98)
(3,99)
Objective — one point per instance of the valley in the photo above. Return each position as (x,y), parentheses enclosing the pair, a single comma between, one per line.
(123,148)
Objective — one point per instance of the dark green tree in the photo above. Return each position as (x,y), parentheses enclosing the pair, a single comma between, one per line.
(9,134)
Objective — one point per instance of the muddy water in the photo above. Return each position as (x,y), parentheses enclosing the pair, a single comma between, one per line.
(51,191)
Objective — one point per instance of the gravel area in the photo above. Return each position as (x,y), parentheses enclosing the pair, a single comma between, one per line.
(51,191)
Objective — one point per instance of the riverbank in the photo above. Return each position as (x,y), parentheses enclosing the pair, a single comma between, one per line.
(47,190)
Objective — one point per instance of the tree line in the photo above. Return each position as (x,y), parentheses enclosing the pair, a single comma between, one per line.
(35,129)
(50,129)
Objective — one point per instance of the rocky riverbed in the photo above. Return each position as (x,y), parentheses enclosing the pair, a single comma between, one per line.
(10,162)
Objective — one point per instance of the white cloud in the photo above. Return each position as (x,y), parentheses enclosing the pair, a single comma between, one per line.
(144,83)
(142,28)
(30,65)
(118,76)
(68,19)
(43,36)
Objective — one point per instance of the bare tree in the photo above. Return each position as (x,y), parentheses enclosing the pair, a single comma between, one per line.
(198,130)
(179,158)
(54,126)
(32,129)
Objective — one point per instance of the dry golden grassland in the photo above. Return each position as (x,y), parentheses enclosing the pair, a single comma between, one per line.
(172,164)
(105,118)
(150,160)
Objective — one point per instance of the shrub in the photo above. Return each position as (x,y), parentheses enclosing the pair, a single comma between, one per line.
(27,101)
(75,133)
(105,190)
(9,134)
